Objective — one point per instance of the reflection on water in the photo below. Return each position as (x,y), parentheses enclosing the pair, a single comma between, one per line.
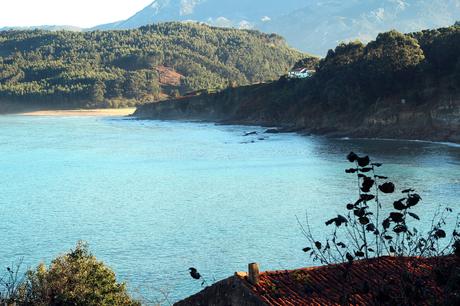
(154,198)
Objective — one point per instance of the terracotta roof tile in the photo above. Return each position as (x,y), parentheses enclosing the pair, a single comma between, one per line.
(364,282)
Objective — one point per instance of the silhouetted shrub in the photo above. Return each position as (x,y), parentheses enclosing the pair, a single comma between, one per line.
(368,229)
(367,232)
(76,278)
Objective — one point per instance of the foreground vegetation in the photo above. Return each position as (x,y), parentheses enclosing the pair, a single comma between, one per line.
(107,68)
(76,278)
(371,227)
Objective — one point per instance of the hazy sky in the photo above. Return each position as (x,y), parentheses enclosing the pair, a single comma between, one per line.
(83,13)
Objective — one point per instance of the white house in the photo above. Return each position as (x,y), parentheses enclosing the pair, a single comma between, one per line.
(300,73)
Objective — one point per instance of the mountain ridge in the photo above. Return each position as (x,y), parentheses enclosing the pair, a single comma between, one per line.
(313,26)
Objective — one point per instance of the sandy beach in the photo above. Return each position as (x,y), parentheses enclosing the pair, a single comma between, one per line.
(83,112)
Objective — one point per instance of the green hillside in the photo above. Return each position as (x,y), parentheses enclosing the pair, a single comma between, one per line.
(114,68)
(397,86)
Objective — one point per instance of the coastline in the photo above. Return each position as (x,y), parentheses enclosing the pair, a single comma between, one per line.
(110,112)
(272,128)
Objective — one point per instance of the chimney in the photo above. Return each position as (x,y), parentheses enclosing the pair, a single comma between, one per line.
(253,275)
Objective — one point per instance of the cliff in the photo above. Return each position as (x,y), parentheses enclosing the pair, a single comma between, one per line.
(391,117)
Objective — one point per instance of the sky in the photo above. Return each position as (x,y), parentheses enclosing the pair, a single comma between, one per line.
(82,13)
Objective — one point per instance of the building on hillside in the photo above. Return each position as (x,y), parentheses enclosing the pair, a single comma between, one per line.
(301,73)
(379,281)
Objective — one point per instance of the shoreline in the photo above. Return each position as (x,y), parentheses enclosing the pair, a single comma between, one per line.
(285,129)
(109,112)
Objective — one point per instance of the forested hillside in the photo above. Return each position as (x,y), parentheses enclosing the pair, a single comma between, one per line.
(399,85)
(113,68)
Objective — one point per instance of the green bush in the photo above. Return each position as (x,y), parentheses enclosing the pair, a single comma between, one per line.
(76,278)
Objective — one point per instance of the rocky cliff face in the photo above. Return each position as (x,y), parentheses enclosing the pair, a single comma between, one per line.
(390,117)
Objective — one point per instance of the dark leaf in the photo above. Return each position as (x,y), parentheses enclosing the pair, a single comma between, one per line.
(194,273)
(342,245)
(349,257)
(377,164)
(408,190)
(351,170)
(318,245)
(397,217)
(306,250)
(368,183)
(364,220)
(342,219)
(360,212)
(370,227)
(399,205)
(359,201)
(338,221)
(387,188)
(359,254)
(381,177)
(350,206)
(388,237)
(367,197)
(365,170)
(352,157)
(363,161)
(413,200)
(386,223)
(440,234)
(371,250)
(398,229)
(414,216)
(392,249)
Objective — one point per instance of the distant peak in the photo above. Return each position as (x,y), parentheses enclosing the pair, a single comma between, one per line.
(187,7)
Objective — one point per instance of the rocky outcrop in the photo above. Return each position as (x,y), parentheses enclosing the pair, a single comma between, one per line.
(437,119)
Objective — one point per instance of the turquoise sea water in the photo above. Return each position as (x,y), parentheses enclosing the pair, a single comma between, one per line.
(154,198)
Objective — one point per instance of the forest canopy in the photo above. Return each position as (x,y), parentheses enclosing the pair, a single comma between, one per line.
(417,66)
(115,68)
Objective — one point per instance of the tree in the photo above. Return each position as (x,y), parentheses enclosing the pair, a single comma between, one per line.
(76,278)
(393,52)
(308,62)
(98,92)
(343,56)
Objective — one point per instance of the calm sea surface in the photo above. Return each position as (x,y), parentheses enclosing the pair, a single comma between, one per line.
(154,198)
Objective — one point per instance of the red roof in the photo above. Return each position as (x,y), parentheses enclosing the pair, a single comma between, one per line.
(382,281)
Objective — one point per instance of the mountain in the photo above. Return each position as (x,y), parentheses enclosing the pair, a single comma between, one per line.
(116,68)
(227,13)
(310,25)
(45,28)
(323,24)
